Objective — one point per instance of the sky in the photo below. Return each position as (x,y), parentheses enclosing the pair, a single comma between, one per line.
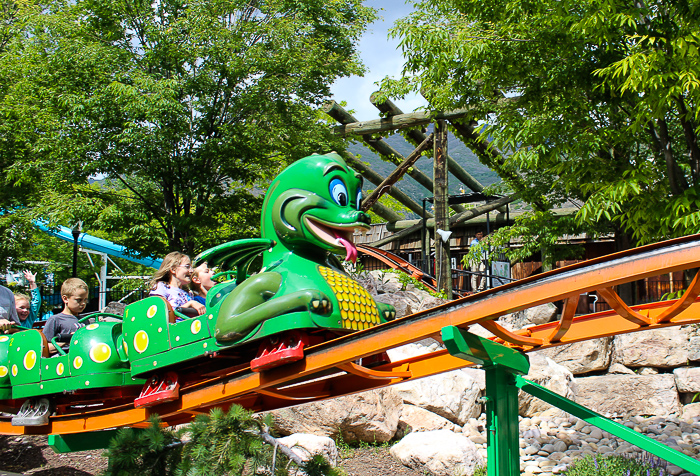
(382,57)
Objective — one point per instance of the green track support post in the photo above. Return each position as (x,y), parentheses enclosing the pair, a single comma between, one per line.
(94,440)
(501,365)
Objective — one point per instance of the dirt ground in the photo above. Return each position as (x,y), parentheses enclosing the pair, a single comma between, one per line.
(31,455)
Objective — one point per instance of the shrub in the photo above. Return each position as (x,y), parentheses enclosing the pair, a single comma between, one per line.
(616,466)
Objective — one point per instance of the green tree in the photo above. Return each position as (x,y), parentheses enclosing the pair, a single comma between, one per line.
(161,122)
(220,443)
(591,103)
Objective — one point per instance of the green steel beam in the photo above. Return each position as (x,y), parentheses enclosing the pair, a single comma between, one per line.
(95,440)
(501,365)
(501,422)
(481,351)
(605,424)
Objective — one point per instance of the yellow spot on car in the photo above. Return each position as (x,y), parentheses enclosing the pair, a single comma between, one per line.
(196,326)
(78,362)
(60,368)
(4,339)
(30,360)
(14,370)
(100,353)
(3,371)
(92,327)
(152,311)
(141,342)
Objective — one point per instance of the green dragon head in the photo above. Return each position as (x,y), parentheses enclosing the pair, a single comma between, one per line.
(314,205)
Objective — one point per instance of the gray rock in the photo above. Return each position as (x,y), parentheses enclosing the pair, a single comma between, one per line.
(694,349)
(620,395)
(419,419)
(662,348)
(441,452)
(582,357)
(452,395)
(306,446)
(537,315)
(371,416)
(687,379)
(690,412)
(618,368)
(555,377)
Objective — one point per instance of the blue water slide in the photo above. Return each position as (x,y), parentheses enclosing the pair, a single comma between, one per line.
(98,244)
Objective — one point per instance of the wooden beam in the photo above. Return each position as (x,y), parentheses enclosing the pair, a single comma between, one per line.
(376,179)
(490,154)
(416,136)
(443,271)
(397,173)
(384,212)
(385,151)
(388,153)
(397,122)
(459,218)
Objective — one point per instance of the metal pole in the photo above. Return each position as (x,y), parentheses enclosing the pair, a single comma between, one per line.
(76,234)
(423,230)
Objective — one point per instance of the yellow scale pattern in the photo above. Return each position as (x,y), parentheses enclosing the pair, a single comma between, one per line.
(357,307)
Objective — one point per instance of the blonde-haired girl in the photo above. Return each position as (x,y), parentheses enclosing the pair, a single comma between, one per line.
(174,274)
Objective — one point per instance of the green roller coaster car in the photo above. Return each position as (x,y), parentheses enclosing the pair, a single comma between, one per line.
(310,212)
(302,294)
(96,360)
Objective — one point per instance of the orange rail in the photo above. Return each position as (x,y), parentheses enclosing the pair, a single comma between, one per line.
(329,369)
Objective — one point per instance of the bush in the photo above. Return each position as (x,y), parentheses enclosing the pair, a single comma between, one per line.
(616,466)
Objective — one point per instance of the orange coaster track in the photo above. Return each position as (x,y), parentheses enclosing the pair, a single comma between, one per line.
(329,369)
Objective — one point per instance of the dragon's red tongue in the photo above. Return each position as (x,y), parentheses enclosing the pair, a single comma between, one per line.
(350,250)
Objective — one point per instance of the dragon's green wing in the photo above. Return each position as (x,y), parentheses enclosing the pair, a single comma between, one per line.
(235,254)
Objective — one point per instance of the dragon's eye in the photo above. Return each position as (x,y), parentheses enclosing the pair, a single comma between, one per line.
(359,198)
(339,192)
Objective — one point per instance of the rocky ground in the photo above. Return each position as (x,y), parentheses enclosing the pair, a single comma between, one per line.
(31,455)
(547,446)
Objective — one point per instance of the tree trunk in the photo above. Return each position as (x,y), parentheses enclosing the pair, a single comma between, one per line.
(443,271)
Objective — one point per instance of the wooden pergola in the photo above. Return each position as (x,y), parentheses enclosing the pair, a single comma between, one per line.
(463,127)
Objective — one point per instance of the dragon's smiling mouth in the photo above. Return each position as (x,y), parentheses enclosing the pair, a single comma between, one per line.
(337,236)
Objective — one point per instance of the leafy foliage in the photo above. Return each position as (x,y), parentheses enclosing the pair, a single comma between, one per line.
(590,104)
(150,452)
(221,443)
(160,123)
(615,465)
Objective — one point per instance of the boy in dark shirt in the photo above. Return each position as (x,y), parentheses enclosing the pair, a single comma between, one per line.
(74,294)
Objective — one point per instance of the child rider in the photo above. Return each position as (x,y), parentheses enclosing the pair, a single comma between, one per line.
(28,308)
(74,294)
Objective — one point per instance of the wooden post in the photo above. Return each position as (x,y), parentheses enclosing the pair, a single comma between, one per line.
(443,267)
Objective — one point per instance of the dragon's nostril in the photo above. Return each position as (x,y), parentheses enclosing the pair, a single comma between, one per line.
(364,218)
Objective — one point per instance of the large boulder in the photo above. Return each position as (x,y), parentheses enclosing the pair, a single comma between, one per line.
(305,446)
(663,348)
(691,412)
(687,379)
(582,357)
(694,348)
(536,315)
(441,453)
(452,395)
(386,287)
(371,416)
(623,395)
(557,378)
(415,418)
(413,350)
